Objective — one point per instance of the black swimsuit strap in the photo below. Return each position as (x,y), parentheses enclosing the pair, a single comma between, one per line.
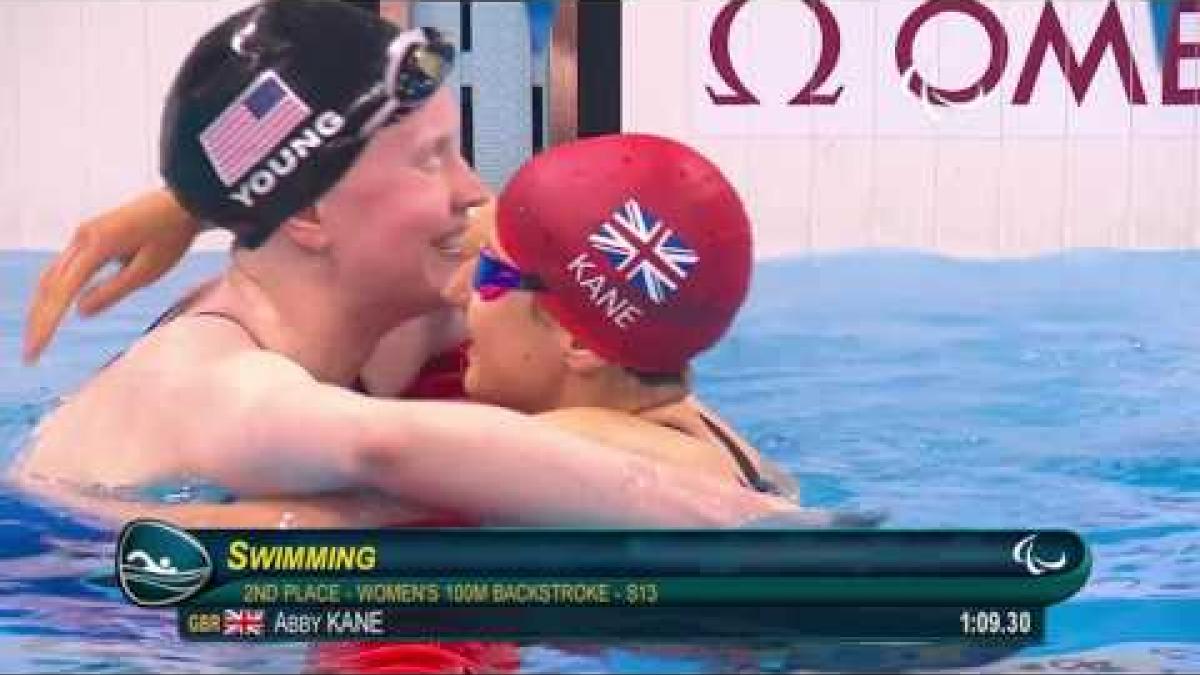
(753,478)
(176,310)
(235,321)
(359,386)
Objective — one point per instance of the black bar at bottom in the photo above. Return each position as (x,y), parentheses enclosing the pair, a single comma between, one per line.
(1007,625)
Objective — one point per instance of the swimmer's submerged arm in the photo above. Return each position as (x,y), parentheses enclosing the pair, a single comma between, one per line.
(478,461)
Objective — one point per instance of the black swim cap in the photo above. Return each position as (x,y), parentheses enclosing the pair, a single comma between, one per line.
(272,107)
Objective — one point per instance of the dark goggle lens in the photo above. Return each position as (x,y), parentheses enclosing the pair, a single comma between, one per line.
(411,76)
(423,69)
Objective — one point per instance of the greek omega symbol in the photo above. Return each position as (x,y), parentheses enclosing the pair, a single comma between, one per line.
(831,51)
(1050,48)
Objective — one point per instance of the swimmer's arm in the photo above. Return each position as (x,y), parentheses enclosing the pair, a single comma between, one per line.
(147,236)
(668,447)
(285,435)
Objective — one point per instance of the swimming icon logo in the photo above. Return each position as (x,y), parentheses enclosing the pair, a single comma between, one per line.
(159,565)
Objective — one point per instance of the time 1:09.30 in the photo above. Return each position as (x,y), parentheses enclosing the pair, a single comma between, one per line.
(1011,622)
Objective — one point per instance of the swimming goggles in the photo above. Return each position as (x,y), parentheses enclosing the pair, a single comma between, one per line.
(494,277)
(418,61)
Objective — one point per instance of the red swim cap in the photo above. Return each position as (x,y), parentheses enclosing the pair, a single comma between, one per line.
(642,243)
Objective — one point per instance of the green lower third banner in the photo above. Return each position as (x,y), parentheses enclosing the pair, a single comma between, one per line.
(399,584)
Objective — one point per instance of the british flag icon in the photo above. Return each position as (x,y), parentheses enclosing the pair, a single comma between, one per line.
(645,251)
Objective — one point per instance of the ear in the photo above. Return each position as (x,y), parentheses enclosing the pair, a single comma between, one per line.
(579,359)
(306,231)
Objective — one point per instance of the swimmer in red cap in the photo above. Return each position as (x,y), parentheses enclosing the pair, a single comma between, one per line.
(609,264)
(321,135)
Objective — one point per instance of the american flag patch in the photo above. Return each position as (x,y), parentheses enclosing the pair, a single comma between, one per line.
(250,128)
(241,622)
(645,251)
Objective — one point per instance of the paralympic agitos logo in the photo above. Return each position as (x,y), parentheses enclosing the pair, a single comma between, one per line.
(821,87)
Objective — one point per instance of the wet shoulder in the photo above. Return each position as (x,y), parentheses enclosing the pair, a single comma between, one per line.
(126,423)
(647,437)
(693,418)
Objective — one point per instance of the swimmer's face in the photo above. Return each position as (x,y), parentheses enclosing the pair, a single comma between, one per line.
(397,218)
(517,353)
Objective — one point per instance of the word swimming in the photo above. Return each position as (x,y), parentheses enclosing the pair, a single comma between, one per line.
(244,556)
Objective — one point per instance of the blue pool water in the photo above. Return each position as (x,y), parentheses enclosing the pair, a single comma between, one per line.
(1057,392)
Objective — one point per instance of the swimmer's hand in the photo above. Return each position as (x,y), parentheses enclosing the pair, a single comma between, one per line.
(807,517)
(146,236)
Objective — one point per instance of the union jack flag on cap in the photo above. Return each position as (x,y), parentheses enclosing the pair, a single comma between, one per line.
(643,246)
(650,255)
